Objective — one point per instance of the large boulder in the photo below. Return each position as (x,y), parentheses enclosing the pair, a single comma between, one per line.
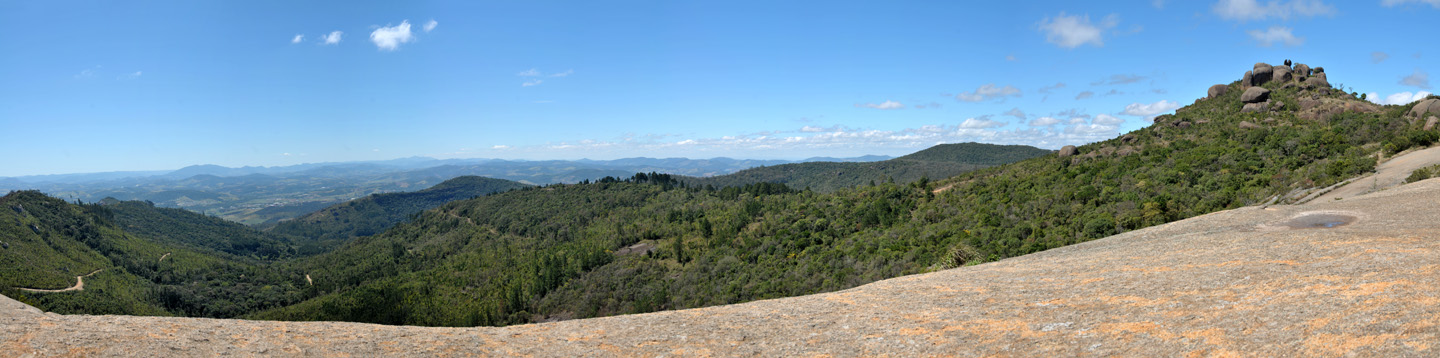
(1301,71)
(1319,80)
(1430,123)
(1068,150)
(1261,74)
(1255,95)
(1428,106)
(1245,81)
(1282,74)
(1217,91)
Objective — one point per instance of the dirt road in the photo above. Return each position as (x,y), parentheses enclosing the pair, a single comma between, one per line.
(79,285)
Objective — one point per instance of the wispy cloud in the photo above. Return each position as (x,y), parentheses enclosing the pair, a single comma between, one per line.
(1274,35)
(882,105)
(1378,57)
(430,25)
(332,38)
(297,39)
(390,38)
(1085,95)
(1119,79)
(528,73)
(563,74)
(1071,31)
(1016,112)
(1391,3)
(987,92)
(130,76)
(87,73)
(529,83)
(1253,10)
(1047,89)
(1149,110)
(1398,98)
(1417,79)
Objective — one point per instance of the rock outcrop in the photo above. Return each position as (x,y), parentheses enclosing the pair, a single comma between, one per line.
(1248,125)
(1431,122)
(1261,74)
(1068,150)
(1427,106)
(1216,91)
(1255,95)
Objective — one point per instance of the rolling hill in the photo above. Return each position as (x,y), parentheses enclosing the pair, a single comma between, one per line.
(323,229)
(940,161)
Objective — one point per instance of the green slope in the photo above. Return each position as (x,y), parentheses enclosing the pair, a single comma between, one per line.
(555,252)
(321,230)
(47,242)
(940,161)
(205,233)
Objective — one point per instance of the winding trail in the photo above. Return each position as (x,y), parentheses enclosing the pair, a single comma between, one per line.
(162,257)
(79,285)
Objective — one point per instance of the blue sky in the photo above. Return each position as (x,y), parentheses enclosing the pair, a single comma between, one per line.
(103,86)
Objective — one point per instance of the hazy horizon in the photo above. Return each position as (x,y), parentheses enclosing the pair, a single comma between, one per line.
(101,87)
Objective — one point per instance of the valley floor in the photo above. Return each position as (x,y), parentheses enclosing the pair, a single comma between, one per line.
(1239,282)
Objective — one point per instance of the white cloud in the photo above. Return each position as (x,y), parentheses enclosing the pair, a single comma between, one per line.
(1090,129)
(1390,3)
(1378,57)
(563,74)
(390,38)
(883,105)
(297,39)
(1398,98)
(1084,95)
(1149,111)
(431,25)
(1044,121)
(1106,119)
(1276,34)
(1248,10)
(332,38)
(532,83)
(1417,79)
(528,73)
(500,147)
(1047,89)
(130,76)
(1010,58)
(989,92)
(1074,31)
(981,123)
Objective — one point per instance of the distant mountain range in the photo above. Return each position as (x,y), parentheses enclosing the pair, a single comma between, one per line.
(260,195)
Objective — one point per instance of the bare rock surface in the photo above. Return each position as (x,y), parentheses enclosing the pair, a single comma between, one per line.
(1353,278)
(1389,174)
(1066,151)
(1428,106)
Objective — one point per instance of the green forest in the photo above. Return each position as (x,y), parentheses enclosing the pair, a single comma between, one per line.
(654,241)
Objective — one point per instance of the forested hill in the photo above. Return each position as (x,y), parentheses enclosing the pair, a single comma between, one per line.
(940,161)
(653,242)
(321,230)
(197,231)
(46,242)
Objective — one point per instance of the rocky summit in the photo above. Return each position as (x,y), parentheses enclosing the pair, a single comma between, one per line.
(1341,278)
